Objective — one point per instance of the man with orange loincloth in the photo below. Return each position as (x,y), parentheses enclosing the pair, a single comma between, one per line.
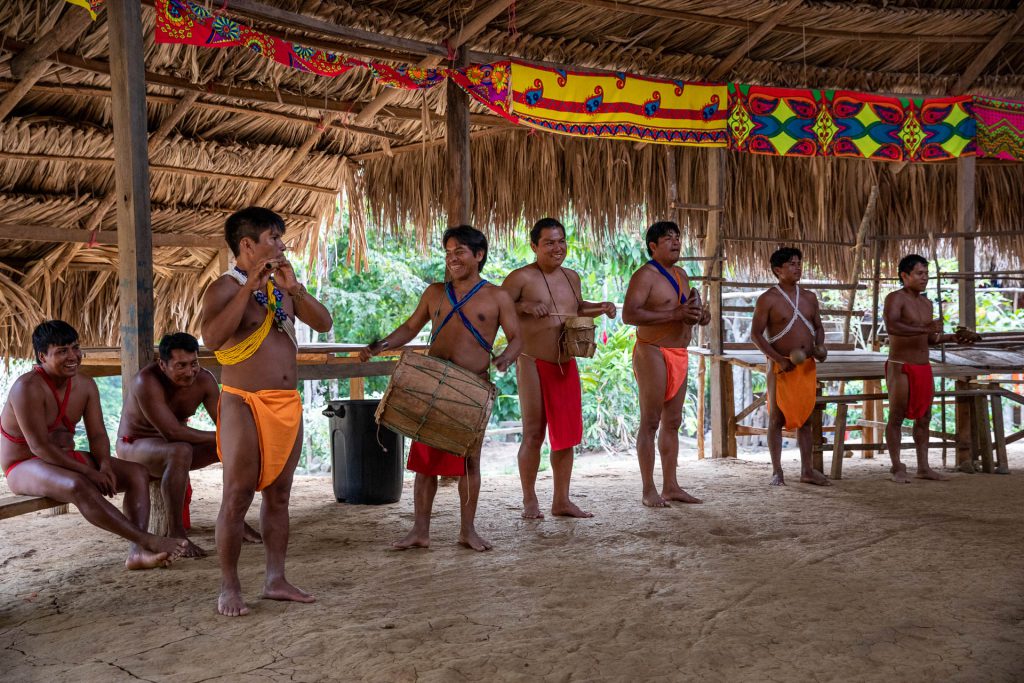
(908,372)
(38,456)
(545,294)
(465,314)
(154,429)
(787,327)
(660,302)
(248,319)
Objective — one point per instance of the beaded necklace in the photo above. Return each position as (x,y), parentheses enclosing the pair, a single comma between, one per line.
(280,317)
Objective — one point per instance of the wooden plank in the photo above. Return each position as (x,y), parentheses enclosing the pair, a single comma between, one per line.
(839,442)
(760,401)
(131,174)
(729,61)
(347,370)
(32,232)
(989,52)
(985,436)
(460,177)
(12,506)
(966,223)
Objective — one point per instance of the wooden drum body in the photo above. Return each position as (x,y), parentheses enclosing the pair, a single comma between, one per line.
(436,403)
(578,337)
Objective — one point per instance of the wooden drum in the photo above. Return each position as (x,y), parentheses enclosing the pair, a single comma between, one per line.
(436,403)
(578,337)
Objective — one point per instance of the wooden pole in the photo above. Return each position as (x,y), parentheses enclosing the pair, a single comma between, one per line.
(722,410)
(965,223)
(854,275)
(131,174)
(460,180)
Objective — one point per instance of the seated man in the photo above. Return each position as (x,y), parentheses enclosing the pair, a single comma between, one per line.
(154,430)
(37,451)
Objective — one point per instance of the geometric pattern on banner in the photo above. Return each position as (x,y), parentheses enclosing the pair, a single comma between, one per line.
(488,84)
(189,23)
(807,123)
(93,7)
(621,106)
(1000,127)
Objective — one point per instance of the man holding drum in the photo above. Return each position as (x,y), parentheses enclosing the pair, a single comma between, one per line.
(465,314)
(545,296)
(660,302)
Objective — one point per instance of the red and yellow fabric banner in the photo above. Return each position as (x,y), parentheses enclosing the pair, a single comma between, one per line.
(621,106)
(93,7)
(1000,127)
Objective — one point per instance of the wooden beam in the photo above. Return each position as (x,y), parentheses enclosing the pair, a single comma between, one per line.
(262,195)
(989,52)
(417,146)
(34,232)
(33,62)
(460,176)
(858,259)
(131,175)
(723,68)
(12,506)
(966,224)
(723,424)
(454,42)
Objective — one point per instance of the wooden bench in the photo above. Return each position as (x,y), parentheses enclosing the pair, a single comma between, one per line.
(12,506)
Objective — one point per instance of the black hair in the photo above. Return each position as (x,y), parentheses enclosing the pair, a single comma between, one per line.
(178,340)
(782,256)
(908,262)
(250,222)
(468,236)
(657,231)
(542,225)
(52,333)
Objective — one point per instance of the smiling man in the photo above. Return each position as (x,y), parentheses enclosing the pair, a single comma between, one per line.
(545,294)
(660,302)
(38,452)
(154,429)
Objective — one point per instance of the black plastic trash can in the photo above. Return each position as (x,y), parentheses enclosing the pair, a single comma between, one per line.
(366,460)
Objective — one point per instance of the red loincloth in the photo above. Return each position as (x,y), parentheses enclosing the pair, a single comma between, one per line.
(434,462)
(920,389)
(563,402)
(81,456)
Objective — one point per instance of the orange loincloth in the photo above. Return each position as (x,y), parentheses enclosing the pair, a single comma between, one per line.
(677,364)
(278,416)
(795,392)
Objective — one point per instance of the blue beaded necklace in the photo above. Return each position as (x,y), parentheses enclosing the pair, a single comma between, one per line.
(280,317)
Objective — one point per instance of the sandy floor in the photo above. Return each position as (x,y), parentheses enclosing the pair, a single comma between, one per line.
(866,581)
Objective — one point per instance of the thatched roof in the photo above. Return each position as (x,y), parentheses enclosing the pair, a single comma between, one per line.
(250,115)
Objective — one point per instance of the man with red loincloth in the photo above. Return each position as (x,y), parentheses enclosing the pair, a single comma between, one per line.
(660,302)
(38,456)
(154,429)
(908,372)
(465,314)
(545,294)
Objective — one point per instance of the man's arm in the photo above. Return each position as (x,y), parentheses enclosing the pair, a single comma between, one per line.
(509,322)
(513,285)
(27,399)
(637,293)
(224,305)
(589,309)
(150,396)
(892,314)
(307,308)
(211,395)
(757,328)
(819,327)
(405,332)
(99,444)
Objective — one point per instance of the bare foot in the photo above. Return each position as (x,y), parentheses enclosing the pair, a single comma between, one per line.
(250,535)
(471,539)
(280,589)
(531,510)
(899,474)
(653,500)
(777,480)
(140,558)
(192,550)
(569,509)
(680,495)
(815,477)
(930,474)
(231,604)
(414,539)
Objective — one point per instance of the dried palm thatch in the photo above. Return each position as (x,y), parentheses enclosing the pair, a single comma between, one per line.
(250,116)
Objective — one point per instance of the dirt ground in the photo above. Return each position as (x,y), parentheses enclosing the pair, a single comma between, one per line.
(863,581)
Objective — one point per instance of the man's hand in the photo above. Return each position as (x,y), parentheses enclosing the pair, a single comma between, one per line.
(503,362)
(284,275)
(535,309)
(371,350)
(257,281)
(785,364)
(705,315)
(105,479)
(608,308)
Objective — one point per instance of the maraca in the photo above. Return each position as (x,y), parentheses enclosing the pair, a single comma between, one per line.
(797,356)
(819,352)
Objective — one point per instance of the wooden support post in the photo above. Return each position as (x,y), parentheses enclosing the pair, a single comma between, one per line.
(729,406)
(839,441)
(966,223)
(722,408)
(1002,466)
(817,440)
(966,447)
(157,509)
(984,435)
(854,275)
(701,394)
(460,179)
(131,174)
(356,388)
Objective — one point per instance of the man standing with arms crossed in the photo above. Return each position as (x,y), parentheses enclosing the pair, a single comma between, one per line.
(248,319)
(545,294)
(465,314)
(908,372)
(660,302)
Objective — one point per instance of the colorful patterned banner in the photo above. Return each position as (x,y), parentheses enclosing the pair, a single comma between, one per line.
(93,7)
(488,84)
(805,123)
(1000,127)
(622,106)
(190,23)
